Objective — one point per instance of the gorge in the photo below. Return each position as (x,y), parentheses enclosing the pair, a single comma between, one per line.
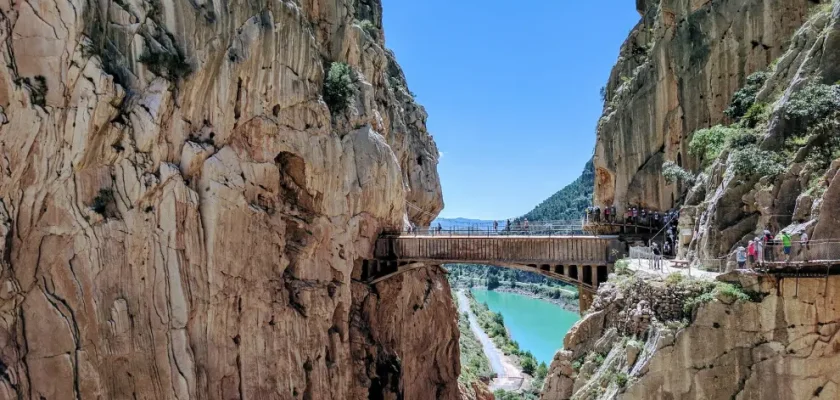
(190,191)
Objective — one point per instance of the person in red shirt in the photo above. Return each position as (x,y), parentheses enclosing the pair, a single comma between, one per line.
(751,253)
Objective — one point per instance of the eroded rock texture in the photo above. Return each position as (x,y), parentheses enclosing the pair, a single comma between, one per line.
(182,213)
(782,346)
(676,73)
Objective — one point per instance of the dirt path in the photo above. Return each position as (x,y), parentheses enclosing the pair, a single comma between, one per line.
(508,375)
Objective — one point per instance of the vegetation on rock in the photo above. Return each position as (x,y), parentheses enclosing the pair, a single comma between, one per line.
(339,87)
(744,99)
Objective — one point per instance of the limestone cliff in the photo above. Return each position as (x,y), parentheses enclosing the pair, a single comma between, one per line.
(182,212)
(676,73)
(743,97)
(780,343)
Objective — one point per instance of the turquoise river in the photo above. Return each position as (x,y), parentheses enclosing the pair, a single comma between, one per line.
(537,325)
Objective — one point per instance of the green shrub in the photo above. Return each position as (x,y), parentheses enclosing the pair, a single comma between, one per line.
(719,289)
(622,267)
(744,98)
(621,379)
(709,143)
(368,27)
(813,103)
(674,279)
(744,138)
(757,113)
(674,173)
(529,365)
(339,87)
(576,365)
(751,161)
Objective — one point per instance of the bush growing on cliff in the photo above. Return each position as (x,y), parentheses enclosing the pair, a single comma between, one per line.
(674,173)
(339,87)
(744,98)
(813,103)
(709,143)
(751,161)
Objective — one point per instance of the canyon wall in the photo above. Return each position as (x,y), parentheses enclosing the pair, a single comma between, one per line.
(764,77)
(676,73)
(182,212)
(782,343)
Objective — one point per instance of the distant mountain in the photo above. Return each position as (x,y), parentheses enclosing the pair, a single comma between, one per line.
(448,223)
(570,202)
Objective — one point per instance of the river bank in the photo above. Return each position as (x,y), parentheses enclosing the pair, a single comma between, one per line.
(509,375)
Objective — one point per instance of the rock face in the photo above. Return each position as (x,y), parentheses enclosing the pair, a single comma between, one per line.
(784,346)
(676,73)
(182,213)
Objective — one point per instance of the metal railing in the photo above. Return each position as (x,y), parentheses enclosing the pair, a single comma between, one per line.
(539,228)
(773,255)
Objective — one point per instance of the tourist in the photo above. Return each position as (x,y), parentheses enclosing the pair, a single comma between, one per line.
(656,219)
(507,225)
(803,241)
(635,215)
(495,226)
(741,256)
(751,253)
(786,244)
(525,224)
(768,246)
(628,215)
(657,257)
(667,248)
(597,212)
(439,228)
(607,214)
(588,215)
(759,250)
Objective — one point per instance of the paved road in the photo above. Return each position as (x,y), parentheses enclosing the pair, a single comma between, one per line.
(507,375)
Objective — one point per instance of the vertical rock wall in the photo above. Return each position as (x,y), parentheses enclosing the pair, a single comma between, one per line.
(676,73)
(181,212)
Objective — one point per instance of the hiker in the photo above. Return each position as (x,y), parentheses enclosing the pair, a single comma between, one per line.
(588,215)
(439,228)
(751,253)
(507,226)
(803,244)
(525,224)
(656,219)
(597,213)
(768,246)
(607,214)
(657,257)
(667,248)
(495,226)
(635,215)
(786,244)
(759,250)
(741,256)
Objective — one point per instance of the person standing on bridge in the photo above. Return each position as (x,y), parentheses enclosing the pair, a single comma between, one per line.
(525,225)
(606,214)
(786,244)
(588,215)
(751,253)
(759,250)
(741,256)
(495,226)
(613,213)
(507,226)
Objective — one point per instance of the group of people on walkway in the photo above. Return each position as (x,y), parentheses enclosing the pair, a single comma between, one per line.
(632,215)
(763,249)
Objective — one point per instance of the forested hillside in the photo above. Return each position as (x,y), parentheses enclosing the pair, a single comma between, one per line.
(569,202)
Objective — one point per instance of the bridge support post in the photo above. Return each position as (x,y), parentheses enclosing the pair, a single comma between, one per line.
(585,298)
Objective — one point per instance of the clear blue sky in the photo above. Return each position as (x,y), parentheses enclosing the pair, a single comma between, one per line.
(512,91)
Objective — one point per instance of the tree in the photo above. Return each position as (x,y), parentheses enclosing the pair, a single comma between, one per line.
(492,283)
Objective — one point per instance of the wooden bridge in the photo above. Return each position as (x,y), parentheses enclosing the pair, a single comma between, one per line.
(584,261)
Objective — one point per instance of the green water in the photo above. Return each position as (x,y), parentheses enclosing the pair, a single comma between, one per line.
(538,326)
